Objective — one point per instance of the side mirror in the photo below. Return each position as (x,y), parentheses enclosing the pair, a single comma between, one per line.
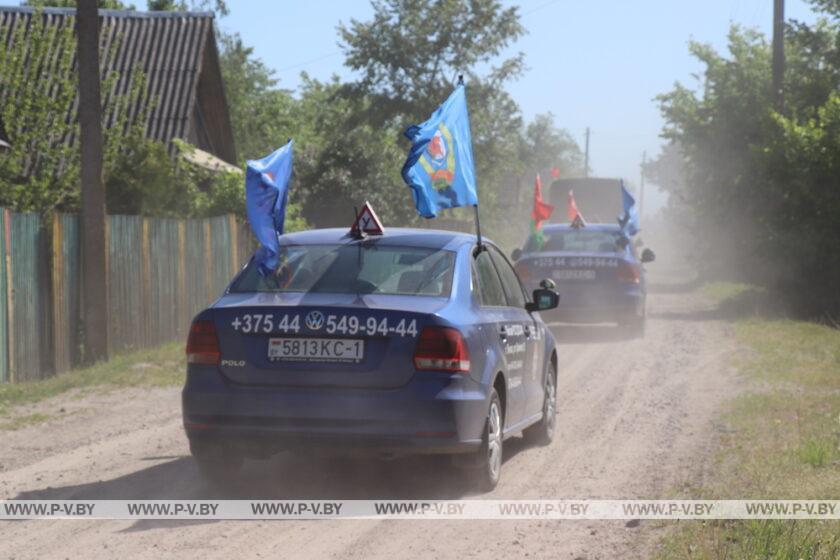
(648,256)
(516,254)
(544,299)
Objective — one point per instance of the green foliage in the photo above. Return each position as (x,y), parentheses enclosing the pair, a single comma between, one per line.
(144,180)
(349,142)
(163,367)
(262,116)
(761,190)
(346,160)
(218,6)
(781,442)
(40,170)
(409,56)
(102,4)
(37,90)
(410,53)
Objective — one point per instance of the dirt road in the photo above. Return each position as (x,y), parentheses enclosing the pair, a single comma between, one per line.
(636,420)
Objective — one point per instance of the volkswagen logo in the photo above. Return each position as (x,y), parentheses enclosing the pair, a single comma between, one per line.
(314,320)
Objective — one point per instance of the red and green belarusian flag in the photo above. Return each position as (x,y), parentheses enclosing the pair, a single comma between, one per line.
(540,213)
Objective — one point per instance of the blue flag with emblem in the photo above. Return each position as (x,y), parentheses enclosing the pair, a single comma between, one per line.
(629,221)
(266,194)
(439,168)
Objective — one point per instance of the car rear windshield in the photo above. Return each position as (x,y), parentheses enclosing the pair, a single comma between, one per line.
(355,269)
(577,241)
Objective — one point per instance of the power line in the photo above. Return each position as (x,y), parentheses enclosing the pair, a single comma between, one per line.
(540,7)
(335,53)
(308,62)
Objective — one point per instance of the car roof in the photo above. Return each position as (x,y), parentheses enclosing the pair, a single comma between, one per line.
(588,227)
(405,237)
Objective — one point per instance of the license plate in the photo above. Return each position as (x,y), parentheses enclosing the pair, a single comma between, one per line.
(316,349)
(574,275)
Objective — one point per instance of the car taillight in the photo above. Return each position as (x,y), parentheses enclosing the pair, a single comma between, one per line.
(203,344)
(628,272)
(441,349)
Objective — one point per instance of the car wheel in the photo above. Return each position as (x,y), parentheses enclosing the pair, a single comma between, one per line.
(216,463)
(490,455)
(542,433)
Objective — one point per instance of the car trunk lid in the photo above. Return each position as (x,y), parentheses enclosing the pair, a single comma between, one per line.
(321,340)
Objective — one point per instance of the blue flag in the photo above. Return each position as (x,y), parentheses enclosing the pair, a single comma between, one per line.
(439,168)
(266,194)
(629,221)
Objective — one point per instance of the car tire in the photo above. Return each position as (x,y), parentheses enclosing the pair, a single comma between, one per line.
(542,433)
(216,463)
(489,465)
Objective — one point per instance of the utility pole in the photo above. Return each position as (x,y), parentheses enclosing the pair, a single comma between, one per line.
(586,156)
(778,54)
(642,186)
(94,290)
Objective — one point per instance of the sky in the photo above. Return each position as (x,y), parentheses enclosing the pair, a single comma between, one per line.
(592,63)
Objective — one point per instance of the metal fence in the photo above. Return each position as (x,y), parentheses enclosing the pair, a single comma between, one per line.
(161,272)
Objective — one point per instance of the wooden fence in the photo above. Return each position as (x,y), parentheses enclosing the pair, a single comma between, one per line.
(161,272)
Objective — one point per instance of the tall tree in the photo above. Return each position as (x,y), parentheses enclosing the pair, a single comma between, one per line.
(262,115)
(411,52)
(409,56)
(763,186)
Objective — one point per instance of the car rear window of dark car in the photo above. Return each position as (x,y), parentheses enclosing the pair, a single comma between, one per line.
(577,241)
(355,269)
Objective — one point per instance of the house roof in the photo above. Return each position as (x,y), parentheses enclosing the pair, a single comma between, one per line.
(174,51)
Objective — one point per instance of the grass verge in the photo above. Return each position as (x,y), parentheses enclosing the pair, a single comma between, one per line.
(154,367)
(783,443)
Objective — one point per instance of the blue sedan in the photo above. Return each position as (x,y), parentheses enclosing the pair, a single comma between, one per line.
(594,268)
(414,341)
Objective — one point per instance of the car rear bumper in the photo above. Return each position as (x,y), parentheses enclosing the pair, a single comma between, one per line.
(616,306)
(433,413)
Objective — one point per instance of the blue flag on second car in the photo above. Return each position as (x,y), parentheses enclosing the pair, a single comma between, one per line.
(266,194)
(439,168)
(629,221)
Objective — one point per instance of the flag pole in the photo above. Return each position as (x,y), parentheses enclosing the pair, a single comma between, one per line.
(475,207)
(478,229)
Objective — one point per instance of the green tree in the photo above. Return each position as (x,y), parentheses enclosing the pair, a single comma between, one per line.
(344,160)
(763,186)
(545,146)
(218,6)
(262,115)
(41,169)
(38,88)
(409,56)
(411,52)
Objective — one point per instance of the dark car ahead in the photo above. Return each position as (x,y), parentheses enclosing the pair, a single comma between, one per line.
(596,271)
(409,342)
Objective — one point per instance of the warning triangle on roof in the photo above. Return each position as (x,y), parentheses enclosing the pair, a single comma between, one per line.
(367,222)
